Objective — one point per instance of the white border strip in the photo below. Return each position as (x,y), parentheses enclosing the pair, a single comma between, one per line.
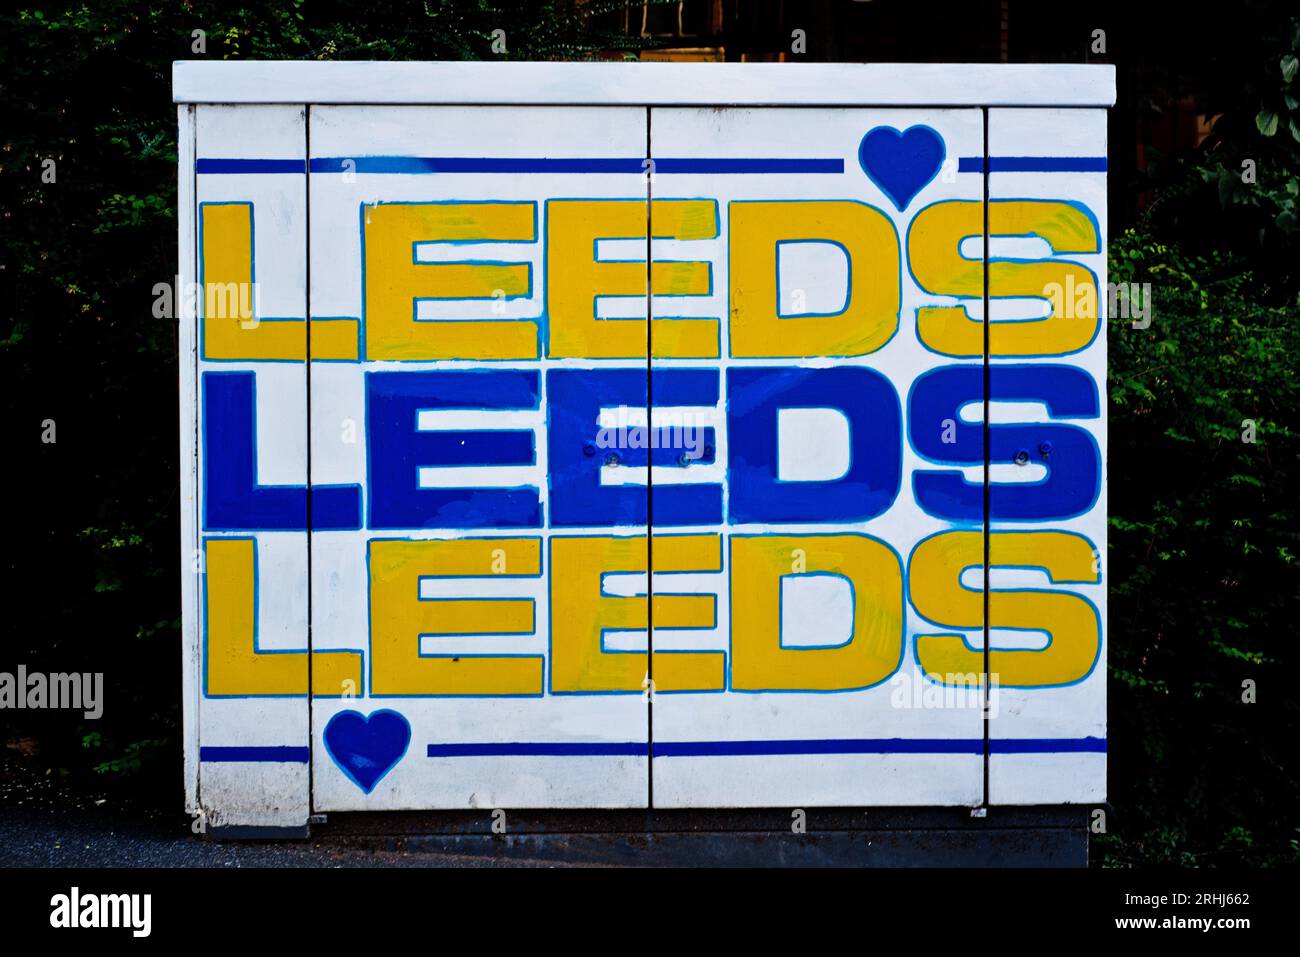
(645,84)
(187,362)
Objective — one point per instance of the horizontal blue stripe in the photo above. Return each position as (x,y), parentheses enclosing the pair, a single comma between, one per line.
(454,447)
(690,165)
(490,164)
(249,166)
(1033,164)
(282,754)
(677,749)
(486,164)
(543,748)
(692,749)
(474,164)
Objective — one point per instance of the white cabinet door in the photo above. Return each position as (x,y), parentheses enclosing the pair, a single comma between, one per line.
(834,433)
(251,394)
(1047,392)
(477,302)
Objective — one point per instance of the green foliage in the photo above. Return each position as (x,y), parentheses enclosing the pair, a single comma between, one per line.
(132,758)
(1204,582)
(1248,166)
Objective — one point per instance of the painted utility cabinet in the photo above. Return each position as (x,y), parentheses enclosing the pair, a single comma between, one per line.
(641,435)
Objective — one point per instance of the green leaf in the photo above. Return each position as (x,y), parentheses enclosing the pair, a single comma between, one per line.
(1266,121)
(1289,65)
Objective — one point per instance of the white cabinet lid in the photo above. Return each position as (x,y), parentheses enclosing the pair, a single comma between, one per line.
(645,84)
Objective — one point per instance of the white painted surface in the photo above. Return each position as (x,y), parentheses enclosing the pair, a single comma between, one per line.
(817,779)
(341,612)
(277,794)
(1077,711)
(186,362)
(812,445)
(645,84)
(258,793)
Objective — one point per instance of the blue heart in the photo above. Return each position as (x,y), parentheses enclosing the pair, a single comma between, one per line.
(367,748)
(901,164)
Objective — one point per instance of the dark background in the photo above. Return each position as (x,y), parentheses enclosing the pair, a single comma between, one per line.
(1204,580)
